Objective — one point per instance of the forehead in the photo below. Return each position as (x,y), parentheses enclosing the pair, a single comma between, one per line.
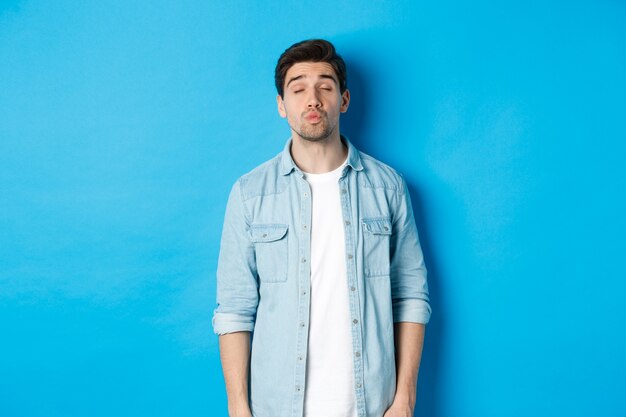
(310,70)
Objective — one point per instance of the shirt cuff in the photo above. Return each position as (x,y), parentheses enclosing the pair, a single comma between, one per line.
(224,323)
(411,310)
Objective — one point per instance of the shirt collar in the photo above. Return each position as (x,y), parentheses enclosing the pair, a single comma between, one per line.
(287,165)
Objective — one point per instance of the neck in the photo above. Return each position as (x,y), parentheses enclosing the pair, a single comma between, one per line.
(318,157)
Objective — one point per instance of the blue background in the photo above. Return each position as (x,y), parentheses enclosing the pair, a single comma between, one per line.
(124,124)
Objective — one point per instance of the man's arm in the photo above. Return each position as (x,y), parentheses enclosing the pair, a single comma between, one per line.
(237,301)
(411,307)
(409,340)
(235,356)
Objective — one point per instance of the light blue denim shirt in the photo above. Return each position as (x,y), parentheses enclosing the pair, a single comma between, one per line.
(263,277)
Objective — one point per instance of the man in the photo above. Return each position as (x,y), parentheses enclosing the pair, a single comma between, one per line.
(320,266)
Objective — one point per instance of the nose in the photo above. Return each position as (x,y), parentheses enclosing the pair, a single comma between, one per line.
(313,100)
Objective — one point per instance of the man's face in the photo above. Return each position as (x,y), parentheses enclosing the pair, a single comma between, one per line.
(312,100)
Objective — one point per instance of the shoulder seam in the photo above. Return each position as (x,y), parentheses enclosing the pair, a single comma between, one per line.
(241,182)
(395,173)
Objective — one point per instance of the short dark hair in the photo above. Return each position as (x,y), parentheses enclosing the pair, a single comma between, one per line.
(312,50)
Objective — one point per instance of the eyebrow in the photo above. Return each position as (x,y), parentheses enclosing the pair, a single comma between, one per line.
(299,77)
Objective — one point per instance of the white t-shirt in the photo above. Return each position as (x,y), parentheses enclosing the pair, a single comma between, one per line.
(329,387)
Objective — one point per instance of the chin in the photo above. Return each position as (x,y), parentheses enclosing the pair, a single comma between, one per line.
(317,135)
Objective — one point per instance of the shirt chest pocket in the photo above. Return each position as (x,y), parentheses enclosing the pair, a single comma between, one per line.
(270,246)
(376,239)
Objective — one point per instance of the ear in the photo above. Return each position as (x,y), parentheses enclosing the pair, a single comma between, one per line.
(345,101)
(281,106)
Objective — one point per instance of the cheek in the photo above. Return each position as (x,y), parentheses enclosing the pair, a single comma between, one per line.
(289,109)
(291,118)
(292,111)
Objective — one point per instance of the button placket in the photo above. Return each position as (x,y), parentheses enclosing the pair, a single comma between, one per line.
(303,298)
(353,293)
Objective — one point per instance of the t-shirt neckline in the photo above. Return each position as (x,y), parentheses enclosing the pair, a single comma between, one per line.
(326,176)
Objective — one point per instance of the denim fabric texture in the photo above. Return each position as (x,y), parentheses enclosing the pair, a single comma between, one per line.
(263,277)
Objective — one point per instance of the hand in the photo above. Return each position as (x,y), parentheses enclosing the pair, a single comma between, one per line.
(399,410)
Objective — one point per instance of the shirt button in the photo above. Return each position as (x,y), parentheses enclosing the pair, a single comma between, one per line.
(349,256)
(301,324)
(353,288)
(303,260)
(358,385)
(297,387)
(264,234)
(303,292)
(355,321)
(357,354)
(306,194)
(304,225)
(343,191)
(300,358)
(347,222)
(386,228)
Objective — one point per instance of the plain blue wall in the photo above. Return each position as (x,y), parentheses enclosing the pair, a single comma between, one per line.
(124,124)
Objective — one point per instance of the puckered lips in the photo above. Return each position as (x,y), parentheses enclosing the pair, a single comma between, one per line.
(313,116)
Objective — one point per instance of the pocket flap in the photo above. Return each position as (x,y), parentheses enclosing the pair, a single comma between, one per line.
(377,226)
(267,232)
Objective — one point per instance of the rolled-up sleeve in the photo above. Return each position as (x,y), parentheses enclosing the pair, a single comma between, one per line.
(237,285)
(409,286)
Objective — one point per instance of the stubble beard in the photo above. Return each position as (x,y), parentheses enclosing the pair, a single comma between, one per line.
(315,132)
